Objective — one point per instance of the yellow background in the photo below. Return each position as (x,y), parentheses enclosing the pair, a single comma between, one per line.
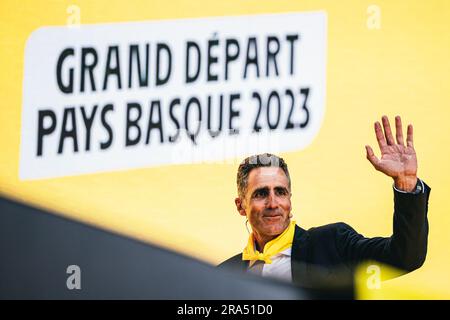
(402,68)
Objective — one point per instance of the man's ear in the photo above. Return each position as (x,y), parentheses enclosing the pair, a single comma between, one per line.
(239,206)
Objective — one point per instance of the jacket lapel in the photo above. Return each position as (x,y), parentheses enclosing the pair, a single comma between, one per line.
(239,264)
(299,255)
(244,264)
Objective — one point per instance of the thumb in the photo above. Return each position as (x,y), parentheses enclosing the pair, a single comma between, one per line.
(371,157)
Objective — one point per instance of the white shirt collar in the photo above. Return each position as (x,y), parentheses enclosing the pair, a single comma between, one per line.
(286,253)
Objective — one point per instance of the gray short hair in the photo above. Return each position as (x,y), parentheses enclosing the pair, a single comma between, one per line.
(257,161)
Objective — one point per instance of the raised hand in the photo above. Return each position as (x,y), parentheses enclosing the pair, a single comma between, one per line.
(397,160)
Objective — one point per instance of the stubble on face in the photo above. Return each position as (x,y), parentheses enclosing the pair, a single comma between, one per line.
(268,202)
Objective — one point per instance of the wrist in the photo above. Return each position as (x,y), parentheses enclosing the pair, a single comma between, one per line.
(407,184)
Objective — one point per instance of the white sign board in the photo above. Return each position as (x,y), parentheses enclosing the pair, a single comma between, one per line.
(127,95)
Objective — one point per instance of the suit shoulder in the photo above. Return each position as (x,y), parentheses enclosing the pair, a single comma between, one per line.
(231,262)
(331,228)
(339,231)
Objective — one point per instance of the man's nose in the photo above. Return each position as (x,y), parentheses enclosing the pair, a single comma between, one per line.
(272,201)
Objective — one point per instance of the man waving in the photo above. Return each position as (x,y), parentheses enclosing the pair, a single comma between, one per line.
(279,248)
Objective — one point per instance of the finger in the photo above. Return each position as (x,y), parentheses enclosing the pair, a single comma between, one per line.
(409,136)
(399,130)
(380,136)
(387,131)
(372,157)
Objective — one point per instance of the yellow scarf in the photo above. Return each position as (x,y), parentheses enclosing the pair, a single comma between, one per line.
(277,245)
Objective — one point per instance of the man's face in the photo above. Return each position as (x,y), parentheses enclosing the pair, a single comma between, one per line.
(267,202)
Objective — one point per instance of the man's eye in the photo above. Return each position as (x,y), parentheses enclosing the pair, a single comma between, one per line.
(282,192)
(260,194)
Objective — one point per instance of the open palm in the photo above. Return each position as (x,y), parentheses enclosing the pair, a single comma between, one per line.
(397,160)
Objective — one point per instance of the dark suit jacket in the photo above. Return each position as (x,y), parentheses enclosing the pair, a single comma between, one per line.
(332,252)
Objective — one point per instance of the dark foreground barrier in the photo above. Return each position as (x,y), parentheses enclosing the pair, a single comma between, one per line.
(45,256)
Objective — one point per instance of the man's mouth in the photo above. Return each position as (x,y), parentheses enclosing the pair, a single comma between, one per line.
(272,216)
(272,213)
